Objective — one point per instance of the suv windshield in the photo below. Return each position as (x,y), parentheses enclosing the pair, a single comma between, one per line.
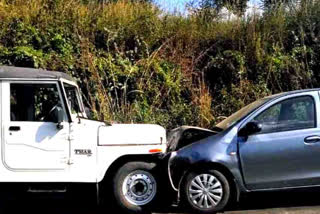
(229,121)
(73,98)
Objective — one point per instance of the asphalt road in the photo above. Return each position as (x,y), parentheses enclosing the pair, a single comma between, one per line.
(299,202)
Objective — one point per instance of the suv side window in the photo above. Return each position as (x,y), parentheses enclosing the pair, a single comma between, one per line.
(33,102)
(291,114)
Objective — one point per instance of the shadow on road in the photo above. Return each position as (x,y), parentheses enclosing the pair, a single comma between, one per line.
(254,201)
(288,199)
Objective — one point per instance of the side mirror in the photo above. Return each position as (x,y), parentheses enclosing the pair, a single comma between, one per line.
(57,116)
(250,128)
(76,107)
(88,112)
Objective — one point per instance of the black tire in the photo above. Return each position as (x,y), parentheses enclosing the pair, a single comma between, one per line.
(140,176)
(186,192)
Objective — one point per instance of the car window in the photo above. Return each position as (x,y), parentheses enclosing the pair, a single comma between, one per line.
(72,98)
(33,102)
(290,114)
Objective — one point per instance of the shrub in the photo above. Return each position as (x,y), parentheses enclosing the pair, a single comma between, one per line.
(136,63)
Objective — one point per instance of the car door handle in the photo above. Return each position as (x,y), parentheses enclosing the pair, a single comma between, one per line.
(312,139)
(14,128)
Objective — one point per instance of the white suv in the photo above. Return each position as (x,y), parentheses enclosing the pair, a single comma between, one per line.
(46,138)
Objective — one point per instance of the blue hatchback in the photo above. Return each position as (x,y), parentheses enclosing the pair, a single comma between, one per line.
(271,144)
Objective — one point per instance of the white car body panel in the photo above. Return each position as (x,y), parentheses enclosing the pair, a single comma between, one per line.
(131,134)
(82,151)
(108,154)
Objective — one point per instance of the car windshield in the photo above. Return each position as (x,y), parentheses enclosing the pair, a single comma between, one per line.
(73,98)
(229,121)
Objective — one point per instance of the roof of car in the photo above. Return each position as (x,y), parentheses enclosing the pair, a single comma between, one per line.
(10,72)
(292,92)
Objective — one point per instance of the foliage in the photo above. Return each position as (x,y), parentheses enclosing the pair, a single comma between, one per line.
(273,4)
(135,63)
(236,6)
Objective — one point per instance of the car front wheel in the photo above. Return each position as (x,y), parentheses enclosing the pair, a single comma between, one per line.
(206,192)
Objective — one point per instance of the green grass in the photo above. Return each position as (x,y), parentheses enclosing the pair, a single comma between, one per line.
(136,63)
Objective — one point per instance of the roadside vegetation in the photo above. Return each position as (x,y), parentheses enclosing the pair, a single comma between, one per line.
(136,63)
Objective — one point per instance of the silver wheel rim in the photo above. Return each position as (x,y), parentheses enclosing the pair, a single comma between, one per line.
(205,191)
(139,188)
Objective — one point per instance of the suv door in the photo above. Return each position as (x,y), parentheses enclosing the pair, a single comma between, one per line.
(32,141)
(83,138)
(285,153)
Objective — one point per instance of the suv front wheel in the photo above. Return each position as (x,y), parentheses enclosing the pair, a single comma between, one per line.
(135,187)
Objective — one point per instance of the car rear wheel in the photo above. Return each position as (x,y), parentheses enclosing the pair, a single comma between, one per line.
(206,192)
(135,187)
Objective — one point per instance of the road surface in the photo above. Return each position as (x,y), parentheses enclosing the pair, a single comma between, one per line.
(268,203)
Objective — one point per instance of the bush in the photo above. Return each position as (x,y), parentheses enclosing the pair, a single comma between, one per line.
(136,63)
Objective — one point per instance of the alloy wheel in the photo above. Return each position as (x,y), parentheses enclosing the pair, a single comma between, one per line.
(205,191)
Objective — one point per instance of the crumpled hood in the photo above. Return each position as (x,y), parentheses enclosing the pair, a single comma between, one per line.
(186,135)
(131,134)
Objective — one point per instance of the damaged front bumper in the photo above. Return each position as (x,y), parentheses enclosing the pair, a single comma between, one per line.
(175,169)
(170,161)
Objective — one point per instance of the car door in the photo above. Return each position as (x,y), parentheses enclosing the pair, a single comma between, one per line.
(286,152)
(32,141)
(83,138)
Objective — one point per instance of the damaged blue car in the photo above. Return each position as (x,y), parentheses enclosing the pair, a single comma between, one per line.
(270,144)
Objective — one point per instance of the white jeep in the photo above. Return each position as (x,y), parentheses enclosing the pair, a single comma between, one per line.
(49,145)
